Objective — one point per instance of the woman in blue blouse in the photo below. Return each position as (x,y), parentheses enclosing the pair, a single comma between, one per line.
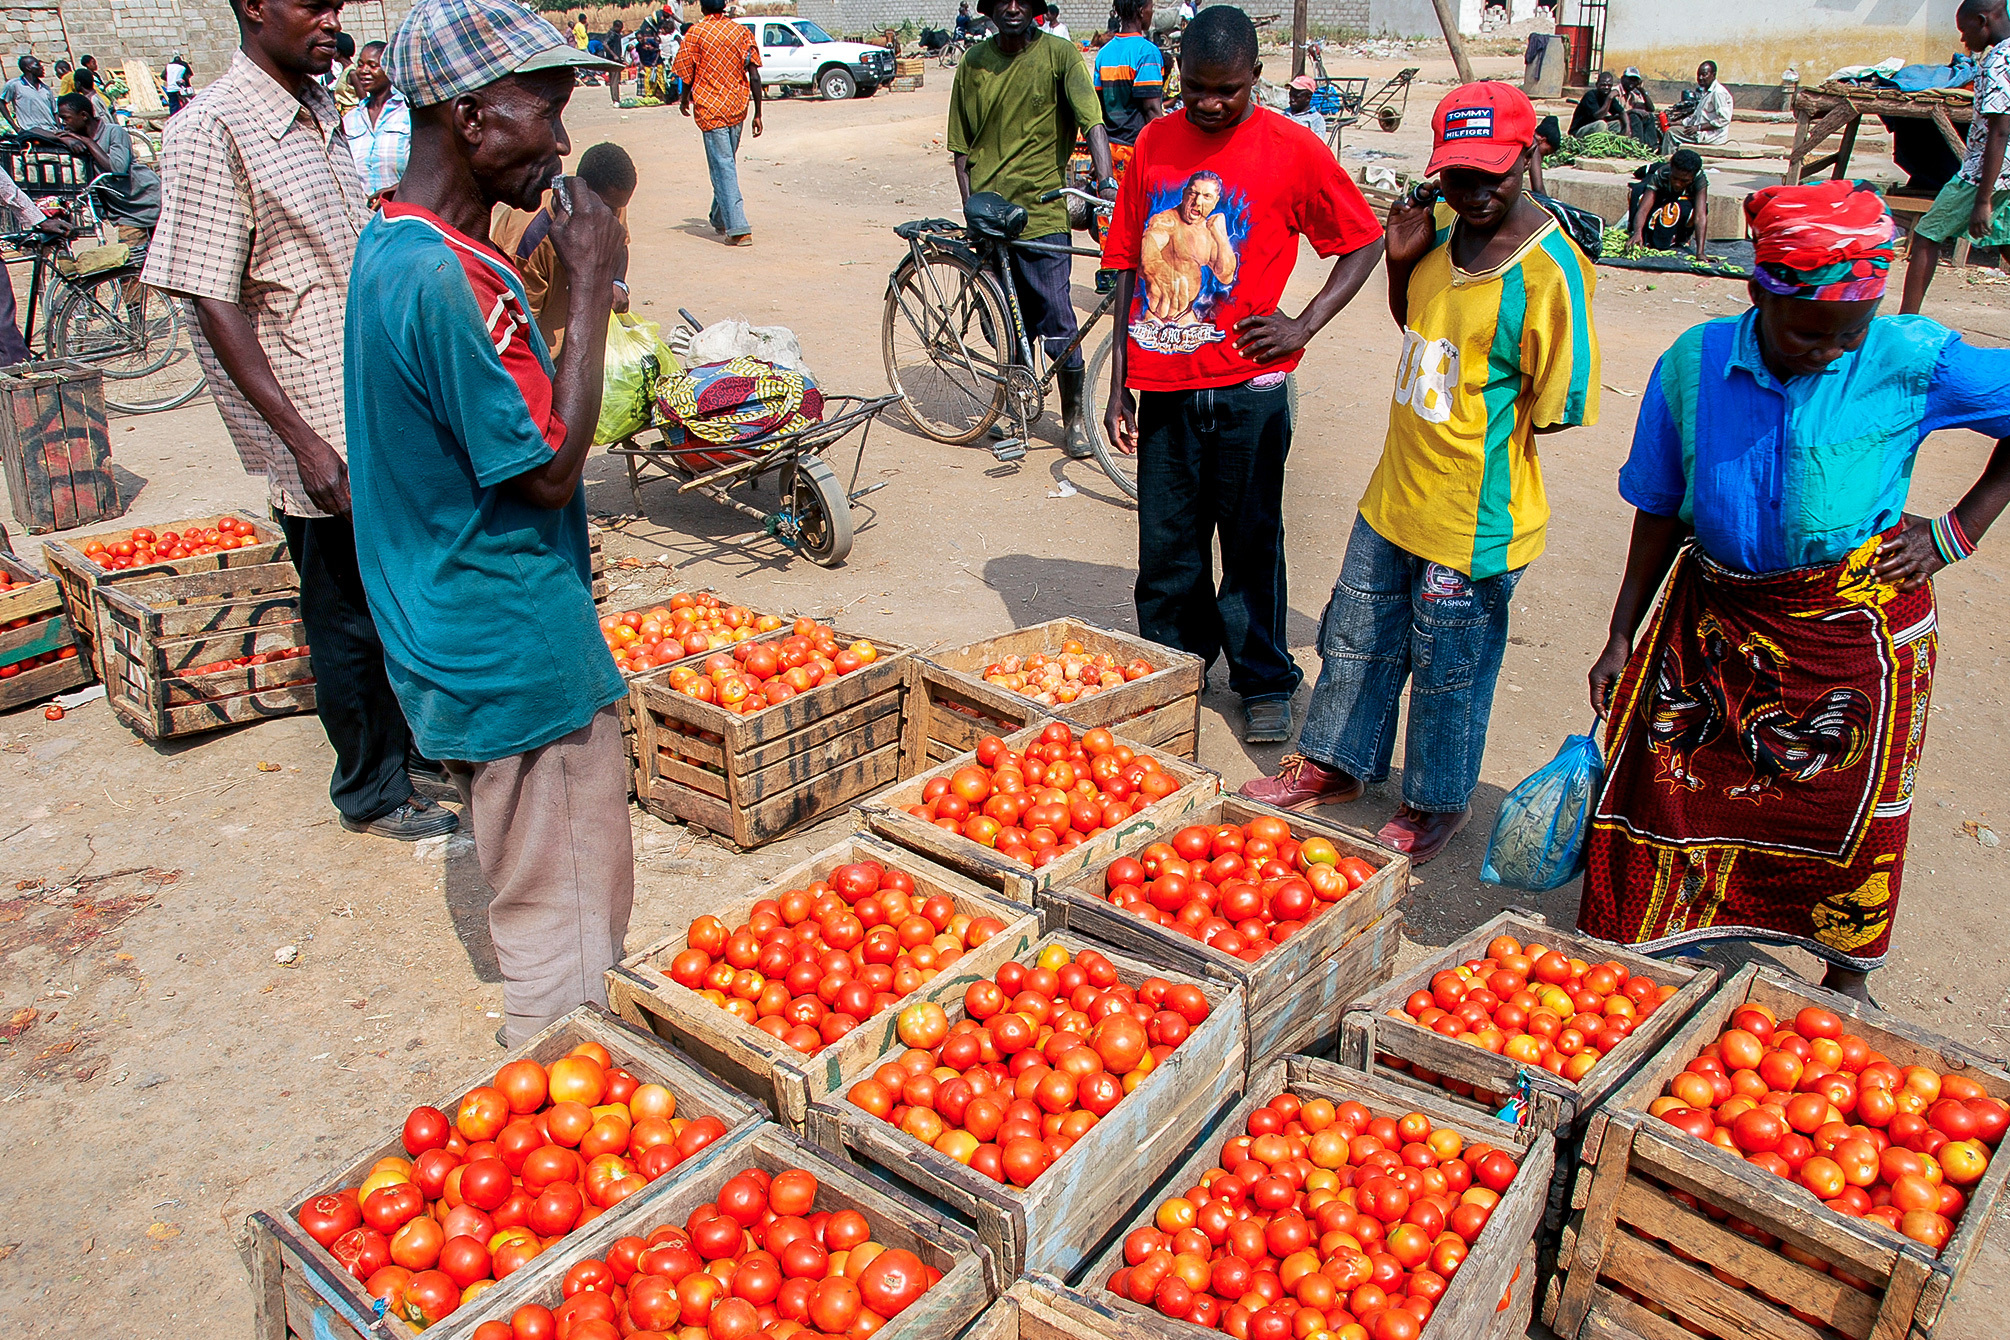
(1763,739)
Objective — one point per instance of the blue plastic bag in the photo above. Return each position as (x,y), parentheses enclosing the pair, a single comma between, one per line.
(1538,838)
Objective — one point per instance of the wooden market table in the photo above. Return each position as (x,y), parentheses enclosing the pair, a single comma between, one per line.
(1820,113)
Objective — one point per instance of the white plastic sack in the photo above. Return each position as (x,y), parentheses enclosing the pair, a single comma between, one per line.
(723,341)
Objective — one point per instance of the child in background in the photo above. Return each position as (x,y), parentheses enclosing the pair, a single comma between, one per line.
(1495,305)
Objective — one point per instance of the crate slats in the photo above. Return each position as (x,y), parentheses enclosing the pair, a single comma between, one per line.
(1619,1208)
(1054,1224)
(886,814)
(954,707)
(40,602)
(1296,992)
(779,769)
(79,577)
(319,1298)
(56,449)
(1500,1263)
(639,990)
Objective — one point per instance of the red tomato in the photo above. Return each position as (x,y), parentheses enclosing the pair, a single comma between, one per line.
(326,1218)
(891,1281)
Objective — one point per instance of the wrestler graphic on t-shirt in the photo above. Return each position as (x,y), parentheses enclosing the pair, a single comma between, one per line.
(1179,243)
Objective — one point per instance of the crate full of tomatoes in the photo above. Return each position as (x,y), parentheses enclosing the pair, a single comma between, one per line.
(800,981)
(1040,1102)
(1557,1022)
(1026,811)
(589,1121)
(38,654)
(1304,916)
(689,623)
(200,544)
(1333,1202)
(1064,669)
(759,740)
(1792,1163)
(769,1239)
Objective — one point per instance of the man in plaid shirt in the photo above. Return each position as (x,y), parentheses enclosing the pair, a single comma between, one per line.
(721,70)
(261,206)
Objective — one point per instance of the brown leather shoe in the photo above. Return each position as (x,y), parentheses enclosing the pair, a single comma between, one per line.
(1420,835)
(1301,784)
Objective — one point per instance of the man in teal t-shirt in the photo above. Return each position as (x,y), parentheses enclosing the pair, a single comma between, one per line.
(466,446)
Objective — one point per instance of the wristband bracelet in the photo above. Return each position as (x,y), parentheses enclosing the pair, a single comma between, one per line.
(1950,540)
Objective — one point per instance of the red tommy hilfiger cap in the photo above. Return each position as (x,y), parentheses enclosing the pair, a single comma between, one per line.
(1484,125)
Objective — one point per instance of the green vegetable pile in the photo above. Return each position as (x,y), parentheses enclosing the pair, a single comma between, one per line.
(1617,240)
(1604,144)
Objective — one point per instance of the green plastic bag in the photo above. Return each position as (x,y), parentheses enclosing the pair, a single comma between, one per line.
(636,358)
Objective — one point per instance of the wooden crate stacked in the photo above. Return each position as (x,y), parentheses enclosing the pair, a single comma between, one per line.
(886,814)
(597,558)
(298,1288)
(32,625)
(1056,1222)
(639,990)
(752,779)
(625,709)
(1493,1294)
(55,448)
(908,73)
(1631,1233)
(1295,993)
(80,577)
(159,635)
(954,707)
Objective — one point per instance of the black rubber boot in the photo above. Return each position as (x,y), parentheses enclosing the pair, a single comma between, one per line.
(1074,436)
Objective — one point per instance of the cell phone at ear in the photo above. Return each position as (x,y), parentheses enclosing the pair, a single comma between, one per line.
(562,191)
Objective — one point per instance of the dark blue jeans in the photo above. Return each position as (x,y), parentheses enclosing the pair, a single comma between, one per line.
(1046,297)
(1395,617)
(1212,463)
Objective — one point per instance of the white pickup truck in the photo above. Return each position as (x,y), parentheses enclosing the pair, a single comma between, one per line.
(796,53)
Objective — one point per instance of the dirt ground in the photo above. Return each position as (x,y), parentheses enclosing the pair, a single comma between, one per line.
(177,1076)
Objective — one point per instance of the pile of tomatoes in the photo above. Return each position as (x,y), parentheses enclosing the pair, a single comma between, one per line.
(758,1260)
(1037,805)
(142,546)
(811,964)
(1242,888)
(1322,1219)
(1041,1054)
(1534,1005)
(522,1162)
(239,662)
(757,675)
(688,624)
(1064,676)
(1817,1106)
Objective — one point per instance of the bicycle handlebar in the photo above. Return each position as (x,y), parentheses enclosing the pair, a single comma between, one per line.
(1096,202)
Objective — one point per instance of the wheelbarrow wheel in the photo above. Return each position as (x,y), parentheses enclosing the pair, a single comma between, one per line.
(822,511)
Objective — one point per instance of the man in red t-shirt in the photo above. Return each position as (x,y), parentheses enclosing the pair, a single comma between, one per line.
(1205,234)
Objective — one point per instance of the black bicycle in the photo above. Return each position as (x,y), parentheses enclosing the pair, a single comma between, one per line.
(954,335)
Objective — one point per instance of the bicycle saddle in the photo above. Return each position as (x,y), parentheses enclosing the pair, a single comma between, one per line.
(994,217)
(920,227)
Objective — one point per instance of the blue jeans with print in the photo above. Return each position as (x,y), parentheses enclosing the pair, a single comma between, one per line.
(1395,617)
(729,211)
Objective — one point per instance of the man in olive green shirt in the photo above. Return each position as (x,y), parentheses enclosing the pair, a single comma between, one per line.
(1018,100)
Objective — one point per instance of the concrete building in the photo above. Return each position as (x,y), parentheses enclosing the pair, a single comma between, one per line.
(1755,43)
(115,31)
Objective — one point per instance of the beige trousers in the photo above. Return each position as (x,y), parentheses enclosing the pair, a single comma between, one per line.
(552,838)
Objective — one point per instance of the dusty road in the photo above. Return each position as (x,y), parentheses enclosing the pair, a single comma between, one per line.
(177,1076)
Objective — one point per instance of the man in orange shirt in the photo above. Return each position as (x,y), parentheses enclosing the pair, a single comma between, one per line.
(720,69)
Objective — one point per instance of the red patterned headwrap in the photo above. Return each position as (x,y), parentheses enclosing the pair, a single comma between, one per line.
(1831,241)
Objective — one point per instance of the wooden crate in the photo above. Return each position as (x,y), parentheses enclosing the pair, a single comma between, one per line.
(754,779)
(79,577)
(55,448)
(1370,1039)
(1055,1223)
(155,632)
(886,814)
(1492,1295)
(299,1288)
(1626,1217)
(957,1299)
(1040,1307)
(1297,991)
(625,709)
(952,708)
(47,630)
(770,1070)
(597,559)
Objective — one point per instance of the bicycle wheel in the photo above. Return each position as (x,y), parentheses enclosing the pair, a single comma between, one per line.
(1122,469)
(947,348)
(136,336)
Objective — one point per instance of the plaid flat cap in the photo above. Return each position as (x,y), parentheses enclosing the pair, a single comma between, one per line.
(446,48)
